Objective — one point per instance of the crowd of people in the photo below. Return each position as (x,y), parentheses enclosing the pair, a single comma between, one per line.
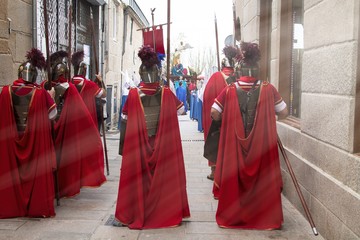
(235,110)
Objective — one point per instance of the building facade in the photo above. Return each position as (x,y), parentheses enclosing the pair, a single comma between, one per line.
(113,24)
(15,36)
(310,52)
(122,42)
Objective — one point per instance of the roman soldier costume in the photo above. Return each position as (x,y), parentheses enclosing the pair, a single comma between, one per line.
(88,90)
(247,174)
(27,153)
(152,187)
(217,82)
(78,145)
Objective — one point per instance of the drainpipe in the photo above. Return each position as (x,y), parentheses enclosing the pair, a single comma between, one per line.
(123,48)
(34,23)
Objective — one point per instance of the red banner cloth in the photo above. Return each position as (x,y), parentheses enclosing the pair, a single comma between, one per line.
(157,34)
(152,188)
(78,146)
(27,162)
(247,178)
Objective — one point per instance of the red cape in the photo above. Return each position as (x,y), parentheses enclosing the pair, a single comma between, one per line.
(78,146)
(152,188)
(27,163)
(213,88)
(247,178)
(88,93)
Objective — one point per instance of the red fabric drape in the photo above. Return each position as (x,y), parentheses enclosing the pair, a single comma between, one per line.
(247,178)
(27,162)
(78,146)
(88,93)
(152,188)
(149,35)
(213,88)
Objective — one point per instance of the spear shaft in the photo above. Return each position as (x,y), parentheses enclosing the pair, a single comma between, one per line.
(168,44)
(217,44)
(297,187)
(48,85)
(101,85)
(69,49)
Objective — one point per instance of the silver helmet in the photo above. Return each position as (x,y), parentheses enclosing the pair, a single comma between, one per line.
(27,71)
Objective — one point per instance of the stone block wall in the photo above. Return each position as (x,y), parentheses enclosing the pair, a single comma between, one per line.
(322,150)
(16,15)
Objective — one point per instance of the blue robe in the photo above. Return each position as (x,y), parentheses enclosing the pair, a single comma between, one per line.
(181,95)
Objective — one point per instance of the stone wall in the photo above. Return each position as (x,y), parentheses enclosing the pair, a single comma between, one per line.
(322,150)
(15,43)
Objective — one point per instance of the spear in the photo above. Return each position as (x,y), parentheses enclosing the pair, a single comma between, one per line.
(48,87)
(48,83)
(234,22)
(153,27)
(217,44)
(168,44)
(101,85)
(297,187)
(237,27)
(69,49)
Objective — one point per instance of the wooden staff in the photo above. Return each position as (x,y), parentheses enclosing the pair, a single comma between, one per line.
(48,84)
(101,85)
(153,27)
(237,27)
(234,23)
(217,44)
(69,49)
(168,44)
(297,187)
(48,87)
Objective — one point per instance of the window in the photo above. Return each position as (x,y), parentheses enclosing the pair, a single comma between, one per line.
(297,56)
(291,54)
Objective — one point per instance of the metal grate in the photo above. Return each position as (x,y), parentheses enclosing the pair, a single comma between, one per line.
(58,20)
(192,140)
(110,220)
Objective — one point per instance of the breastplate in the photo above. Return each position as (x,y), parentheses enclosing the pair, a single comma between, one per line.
(151,104)
(21,110)
(59,99)
(247,104)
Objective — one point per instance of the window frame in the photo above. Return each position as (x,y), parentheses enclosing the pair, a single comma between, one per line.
(285,57)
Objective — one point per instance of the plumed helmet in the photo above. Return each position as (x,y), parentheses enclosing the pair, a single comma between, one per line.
(149,71)
(248,59)
(59,64)
(28,69)
(230,53)
(77,60)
